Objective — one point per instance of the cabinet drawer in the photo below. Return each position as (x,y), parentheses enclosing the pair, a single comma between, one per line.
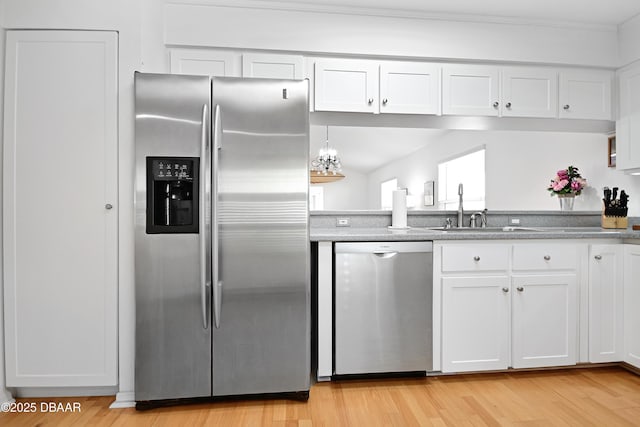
(545,257)
(475,258)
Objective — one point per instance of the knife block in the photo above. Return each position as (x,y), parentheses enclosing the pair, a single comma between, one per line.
(614,221)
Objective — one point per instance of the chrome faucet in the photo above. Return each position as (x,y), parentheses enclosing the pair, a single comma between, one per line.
(460,208)
(483,219)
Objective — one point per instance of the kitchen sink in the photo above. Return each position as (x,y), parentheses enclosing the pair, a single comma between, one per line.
(487,229)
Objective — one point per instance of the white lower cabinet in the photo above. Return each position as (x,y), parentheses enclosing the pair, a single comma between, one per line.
(475,323)
(544,320)
(508,305)
(606,301)
(632,305)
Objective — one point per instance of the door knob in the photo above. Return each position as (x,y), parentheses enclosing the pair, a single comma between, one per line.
(370,101)
(108,206)
(598,257)
(384,101)
(520,288)
(508,105)
(505,290)
(495,104)
(547,257)
(566,107)
(476,258)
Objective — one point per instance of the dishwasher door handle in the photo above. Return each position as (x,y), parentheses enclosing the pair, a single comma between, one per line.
(385,254)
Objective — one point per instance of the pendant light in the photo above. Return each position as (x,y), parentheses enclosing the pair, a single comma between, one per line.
(326,167)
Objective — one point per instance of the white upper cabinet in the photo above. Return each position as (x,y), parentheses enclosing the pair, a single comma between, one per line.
(529,92)
(346,85)
(585,94)
(203,62)
(470,90)
(409,88)
(271,66)
(628,125)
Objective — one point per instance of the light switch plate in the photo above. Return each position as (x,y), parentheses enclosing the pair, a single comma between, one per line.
(343,222)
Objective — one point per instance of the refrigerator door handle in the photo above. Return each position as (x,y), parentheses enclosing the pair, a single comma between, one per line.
(217,283)
(205,195)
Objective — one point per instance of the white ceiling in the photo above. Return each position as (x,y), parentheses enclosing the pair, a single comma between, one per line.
(605,12)
(365,149)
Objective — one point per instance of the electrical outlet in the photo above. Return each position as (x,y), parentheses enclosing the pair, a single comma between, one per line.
(514,221)
(343,222)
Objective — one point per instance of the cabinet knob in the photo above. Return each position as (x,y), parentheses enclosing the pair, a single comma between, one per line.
(505,290)
(370,101)
(598,257)
(495,104)
(547,257)
(520,288)
(476,258)
(384,101)
(566,107)
(108,206)
(508,105)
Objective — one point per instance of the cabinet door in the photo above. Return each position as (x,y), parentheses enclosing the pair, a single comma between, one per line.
(606,303)
(585,95)
(269,66)
(632,304)
(346,85)
(529,92)
(470,90)
(544,320)
(475,323)
(409,88)
(628,126)
(212,63)
(60,231)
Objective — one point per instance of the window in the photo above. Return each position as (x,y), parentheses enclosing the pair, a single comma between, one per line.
(467,170)
(386,193)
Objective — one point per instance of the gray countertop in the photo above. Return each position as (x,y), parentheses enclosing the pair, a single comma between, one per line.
(493,233)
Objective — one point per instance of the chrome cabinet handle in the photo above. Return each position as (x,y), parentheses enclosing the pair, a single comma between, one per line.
(505,290)
(108,206)
(384,101)
(508,105)
(566,107)
(495,104)
(370,101)
(547,257)
(520,288)
(476,258)
(598,257)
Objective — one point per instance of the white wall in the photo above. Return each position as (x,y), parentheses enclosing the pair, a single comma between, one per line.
(348,193)
(215,23)
(629,37)
(519,166)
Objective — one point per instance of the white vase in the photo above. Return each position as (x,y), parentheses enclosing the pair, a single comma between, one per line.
(566,201)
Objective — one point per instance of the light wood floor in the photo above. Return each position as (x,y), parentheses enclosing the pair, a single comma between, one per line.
(577,397)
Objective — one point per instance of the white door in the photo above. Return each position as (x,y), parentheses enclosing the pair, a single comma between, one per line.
(475,323)
(529,92)
(631,304)
(544,320)
(346,85)
(585,95)
(200,62)
(470,90)
(270,66)
(60,208)
(606,302)
(409,88)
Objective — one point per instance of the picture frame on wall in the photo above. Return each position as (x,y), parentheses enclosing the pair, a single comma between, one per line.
(611,158)
(429,193)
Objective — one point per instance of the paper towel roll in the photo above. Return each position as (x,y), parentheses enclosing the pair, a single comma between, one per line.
(399,209)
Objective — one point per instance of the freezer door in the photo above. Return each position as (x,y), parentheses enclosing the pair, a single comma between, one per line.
(173,340)
(261,343)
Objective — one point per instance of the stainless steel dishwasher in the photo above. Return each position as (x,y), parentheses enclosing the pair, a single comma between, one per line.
(383,307)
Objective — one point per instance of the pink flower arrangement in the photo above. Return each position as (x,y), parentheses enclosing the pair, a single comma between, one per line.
(567,181)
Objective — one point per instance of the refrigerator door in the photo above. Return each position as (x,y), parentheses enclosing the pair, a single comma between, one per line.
(173,339)
(261,343)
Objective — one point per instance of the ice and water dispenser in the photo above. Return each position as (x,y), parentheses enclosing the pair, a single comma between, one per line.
(172,195)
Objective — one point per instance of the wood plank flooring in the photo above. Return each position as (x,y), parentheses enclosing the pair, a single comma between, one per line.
(576,397)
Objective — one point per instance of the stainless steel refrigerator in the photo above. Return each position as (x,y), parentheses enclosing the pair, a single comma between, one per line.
(221,237)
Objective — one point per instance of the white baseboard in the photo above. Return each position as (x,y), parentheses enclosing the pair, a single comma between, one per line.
(124,399)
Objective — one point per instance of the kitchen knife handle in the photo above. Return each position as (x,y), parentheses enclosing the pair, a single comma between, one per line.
(215,252)
(205,196)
